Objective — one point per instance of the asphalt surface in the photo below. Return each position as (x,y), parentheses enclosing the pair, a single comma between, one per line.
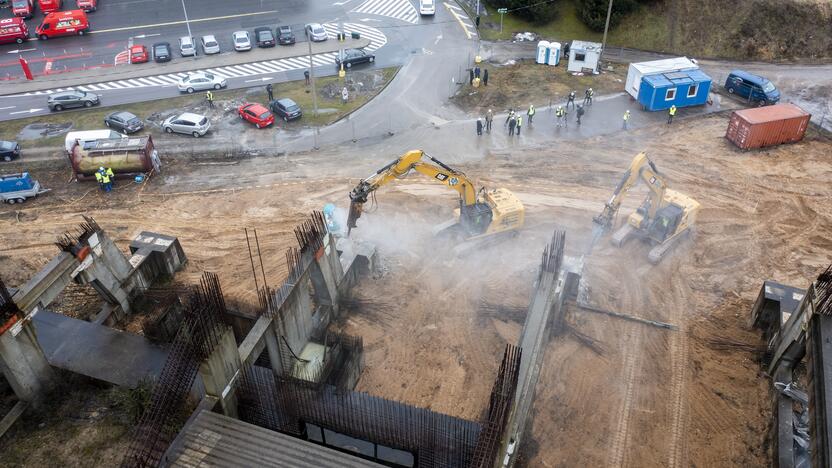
(116,22)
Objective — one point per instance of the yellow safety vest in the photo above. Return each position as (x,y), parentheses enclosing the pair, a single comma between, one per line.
(626,116)
(105,178)
(519,121)
(98,176)
(109,172)
(209,95)
(531,110)
(672,110)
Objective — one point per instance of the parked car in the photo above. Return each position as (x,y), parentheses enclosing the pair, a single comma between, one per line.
(48,6)
(138,54)
(187,46)
(755,88)
(264,37)
(286,109)
(68,99)
(23,8)
(187,123)
(161,52)
(285,36)
(87,5)
(427,7)
(210,45)
(354,57)
(315,32)
(256,114)
(241,40)
(9,150)
(200,81)
(124,121)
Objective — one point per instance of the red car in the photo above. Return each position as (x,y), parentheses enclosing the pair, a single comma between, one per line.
(24,8)
(87,5)
(138,54)
(256,114)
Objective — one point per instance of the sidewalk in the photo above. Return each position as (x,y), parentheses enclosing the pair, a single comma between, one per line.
(178,65)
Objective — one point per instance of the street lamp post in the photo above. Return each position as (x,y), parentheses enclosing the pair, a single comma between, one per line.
(606,28)
(314,93)
(187,23)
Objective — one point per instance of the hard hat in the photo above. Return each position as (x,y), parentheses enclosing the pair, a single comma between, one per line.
(329,208)
(101,168)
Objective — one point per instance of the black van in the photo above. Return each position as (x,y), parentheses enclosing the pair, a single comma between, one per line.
(756,89)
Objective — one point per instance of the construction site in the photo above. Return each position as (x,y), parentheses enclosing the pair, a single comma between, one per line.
(273,334)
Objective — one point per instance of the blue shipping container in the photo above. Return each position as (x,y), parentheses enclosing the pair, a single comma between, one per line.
(681,88)
(15,182)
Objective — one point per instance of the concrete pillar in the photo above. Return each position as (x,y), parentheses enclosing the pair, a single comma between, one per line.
(326,273)
(23,363)
(219,372)
(273,348)
(107,269)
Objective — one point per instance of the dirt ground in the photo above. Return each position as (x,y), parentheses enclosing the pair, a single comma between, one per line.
(652,397)
(525,82)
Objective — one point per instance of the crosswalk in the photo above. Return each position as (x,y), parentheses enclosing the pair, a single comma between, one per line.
(376,37)
(399,9)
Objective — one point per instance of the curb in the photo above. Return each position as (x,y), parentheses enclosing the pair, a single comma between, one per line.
(369,100)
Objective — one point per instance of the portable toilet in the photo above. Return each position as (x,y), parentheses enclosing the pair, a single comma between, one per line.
(681,89)
(554,53)
(542,52)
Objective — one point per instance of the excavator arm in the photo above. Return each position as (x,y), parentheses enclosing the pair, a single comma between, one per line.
(641,168)
(410,161)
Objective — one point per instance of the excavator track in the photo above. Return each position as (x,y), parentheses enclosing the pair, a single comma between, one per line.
(622,235)
(658,252)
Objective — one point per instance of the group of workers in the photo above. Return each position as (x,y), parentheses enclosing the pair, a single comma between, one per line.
(105,178)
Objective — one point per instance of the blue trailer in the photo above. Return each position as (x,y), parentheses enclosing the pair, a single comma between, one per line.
(16,188)
(680,88)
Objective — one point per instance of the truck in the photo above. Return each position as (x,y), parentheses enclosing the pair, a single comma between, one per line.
(16,188)
(127,157)
(89,135)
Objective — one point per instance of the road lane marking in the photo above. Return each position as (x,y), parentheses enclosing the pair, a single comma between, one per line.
(459,17)
(398,9)
(174,23)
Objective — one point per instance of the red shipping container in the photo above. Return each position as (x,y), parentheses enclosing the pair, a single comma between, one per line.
(767,126)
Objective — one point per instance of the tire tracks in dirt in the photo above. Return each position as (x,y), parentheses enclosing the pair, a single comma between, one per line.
(621,437)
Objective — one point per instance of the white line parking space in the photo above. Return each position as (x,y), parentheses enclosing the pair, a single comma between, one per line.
(376,37)
(397,9)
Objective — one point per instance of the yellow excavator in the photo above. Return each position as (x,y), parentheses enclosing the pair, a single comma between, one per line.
(481,214)
(663,219)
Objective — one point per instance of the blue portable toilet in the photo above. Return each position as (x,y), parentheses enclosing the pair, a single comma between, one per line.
(542,52)
(554,53)
(680,88)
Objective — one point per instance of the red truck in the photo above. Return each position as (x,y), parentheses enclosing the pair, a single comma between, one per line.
(13,30)
(23,8)
(48,6)
(63,23)
(87,5)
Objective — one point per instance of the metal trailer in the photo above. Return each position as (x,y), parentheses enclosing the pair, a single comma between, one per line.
(16,188)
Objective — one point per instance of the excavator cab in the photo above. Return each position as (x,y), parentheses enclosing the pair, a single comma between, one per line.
(475,219)
(665,223)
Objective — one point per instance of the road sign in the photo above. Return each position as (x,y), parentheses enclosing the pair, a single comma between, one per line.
(502,10)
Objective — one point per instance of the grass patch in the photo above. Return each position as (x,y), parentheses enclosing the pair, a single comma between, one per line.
(566,27)
(93,118)
(517,86)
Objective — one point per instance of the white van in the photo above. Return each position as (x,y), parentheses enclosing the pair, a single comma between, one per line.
(89,135)
(427,7)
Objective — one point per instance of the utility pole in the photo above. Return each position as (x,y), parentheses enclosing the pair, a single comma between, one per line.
(606,28)
(314,93)
(187,23)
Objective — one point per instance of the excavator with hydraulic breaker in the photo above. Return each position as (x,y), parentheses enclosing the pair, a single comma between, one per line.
(482,216)
(663,219)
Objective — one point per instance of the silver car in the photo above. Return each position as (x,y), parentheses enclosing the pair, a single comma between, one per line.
(210,45)
(187,123)
(201,81)
(241,40)
(315,32)
(187,46)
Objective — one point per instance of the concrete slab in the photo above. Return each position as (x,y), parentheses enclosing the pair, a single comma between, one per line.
(97,351)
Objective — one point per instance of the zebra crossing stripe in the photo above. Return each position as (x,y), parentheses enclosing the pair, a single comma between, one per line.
(398,9)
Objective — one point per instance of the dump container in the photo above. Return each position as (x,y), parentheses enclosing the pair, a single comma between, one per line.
(125,156)
(767,126)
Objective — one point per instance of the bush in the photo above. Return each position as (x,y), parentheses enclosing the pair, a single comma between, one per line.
(594,12)
(539,13)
